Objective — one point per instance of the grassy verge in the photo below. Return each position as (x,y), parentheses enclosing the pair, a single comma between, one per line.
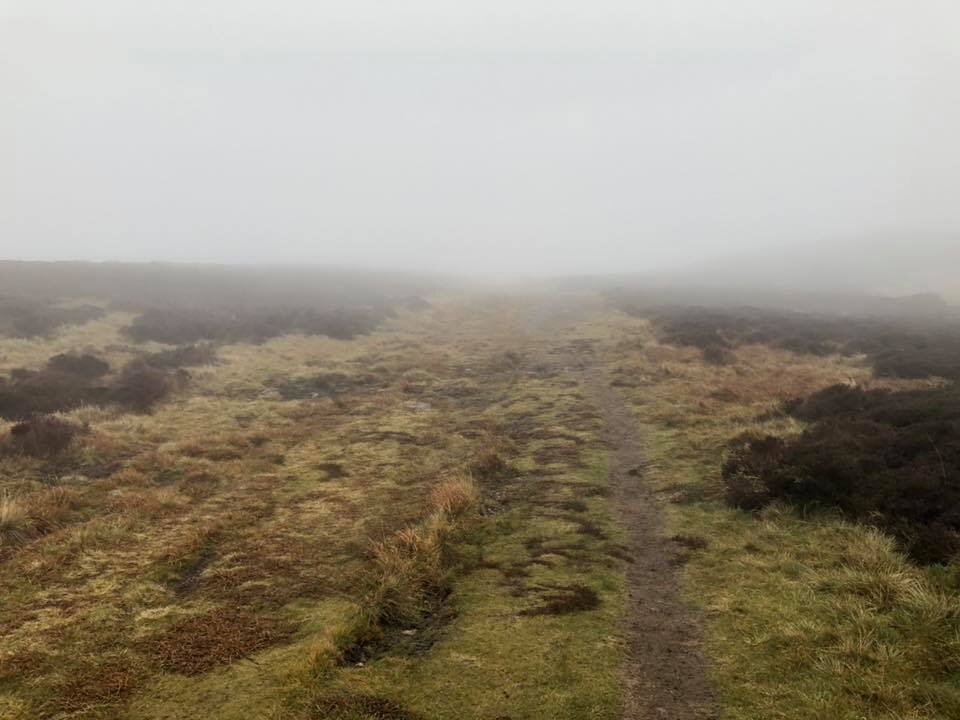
(808,616)
(510,608)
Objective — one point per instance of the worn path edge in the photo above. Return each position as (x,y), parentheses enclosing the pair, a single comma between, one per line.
(665,675)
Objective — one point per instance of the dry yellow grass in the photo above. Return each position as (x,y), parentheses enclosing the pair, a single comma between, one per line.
(456,494)
(14,521)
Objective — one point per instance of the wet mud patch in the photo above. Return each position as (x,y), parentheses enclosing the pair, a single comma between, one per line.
(332,470)
(563,600)
(395,641)
(190,574)
(559,454)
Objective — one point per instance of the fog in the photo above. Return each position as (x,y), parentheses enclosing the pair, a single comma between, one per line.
(519,136)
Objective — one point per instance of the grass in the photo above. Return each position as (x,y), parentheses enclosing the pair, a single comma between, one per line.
(808,616)
(14,522)
(235,553)
(415,523)
(497,593)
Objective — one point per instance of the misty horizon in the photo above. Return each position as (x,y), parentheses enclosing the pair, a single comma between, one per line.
(520,139)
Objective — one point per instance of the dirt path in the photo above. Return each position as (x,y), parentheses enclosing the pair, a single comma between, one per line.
(665,673)
(665,676)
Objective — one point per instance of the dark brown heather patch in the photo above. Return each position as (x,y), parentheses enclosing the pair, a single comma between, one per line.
(99,681)
(22,665)
(218,637)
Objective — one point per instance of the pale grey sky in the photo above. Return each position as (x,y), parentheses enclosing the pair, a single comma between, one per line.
(516,135)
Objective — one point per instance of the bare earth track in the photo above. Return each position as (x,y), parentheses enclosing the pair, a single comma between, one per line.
(665,674)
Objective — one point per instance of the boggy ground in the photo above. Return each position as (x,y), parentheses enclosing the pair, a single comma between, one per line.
(493,507)
(277,538)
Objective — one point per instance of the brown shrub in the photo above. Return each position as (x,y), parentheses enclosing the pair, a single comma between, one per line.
(716,354)
(30,317)
(40,437)
(140,386)
(897,346)
(71,381)
(888,459)
(51,508)
(184,356)
(750,457)
(31,392)
(188,325)
(85,366)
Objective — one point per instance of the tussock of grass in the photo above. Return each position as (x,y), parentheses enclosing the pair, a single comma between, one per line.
(146,503)
(408,577)
(14,522)
(455,495)
(51,508)
(407,574)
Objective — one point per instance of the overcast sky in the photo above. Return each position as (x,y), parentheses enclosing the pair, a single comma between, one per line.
(493,135)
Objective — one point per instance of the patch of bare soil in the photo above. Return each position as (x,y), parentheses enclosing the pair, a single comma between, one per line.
(665,675)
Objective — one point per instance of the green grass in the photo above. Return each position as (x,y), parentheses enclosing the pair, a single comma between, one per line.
(808,616)
(496,657)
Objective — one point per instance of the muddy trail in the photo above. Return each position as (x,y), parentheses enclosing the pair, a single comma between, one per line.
(665,673)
